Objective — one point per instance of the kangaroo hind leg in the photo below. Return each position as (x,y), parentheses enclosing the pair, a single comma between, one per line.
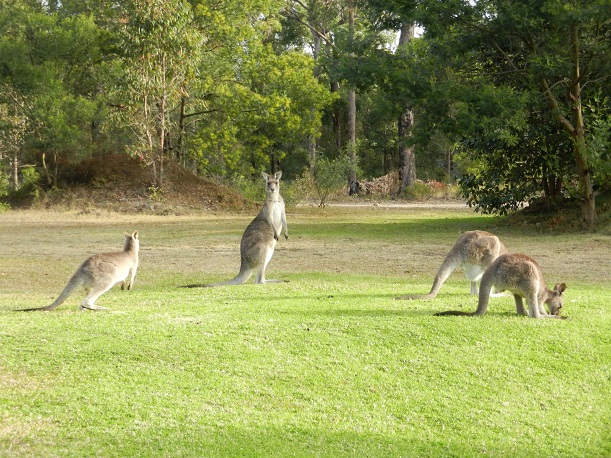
(474,273)
(520,310)
(92,295)
(260,279)
(533,305)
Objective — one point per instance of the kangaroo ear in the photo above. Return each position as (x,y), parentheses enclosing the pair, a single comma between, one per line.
(278,174)
(560,287)
(135,234)
(265,176)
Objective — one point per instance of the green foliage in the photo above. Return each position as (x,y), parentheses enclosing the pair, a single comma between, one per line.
(520,166)
(251,188)
(4,189)
(598,116)
(276,106)
(51,92)
(488,63)
(329,176)
(230,88)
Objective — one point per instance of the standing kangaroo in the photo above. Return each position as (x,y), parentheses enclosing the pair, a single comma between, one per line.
(474,251)
(522,276)
(260,237)
(99,273)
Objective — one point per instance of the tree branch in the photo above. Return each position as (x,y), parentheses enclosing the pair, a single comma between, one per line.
(553,103)
(200,113)
(293,14)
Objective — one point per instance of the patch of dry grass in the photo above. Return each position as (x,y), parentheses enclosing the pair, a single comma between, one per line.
(42,248)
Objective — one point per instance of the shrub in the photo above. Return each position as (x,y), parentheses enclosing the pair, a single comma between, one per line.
(424,190)
(328,177)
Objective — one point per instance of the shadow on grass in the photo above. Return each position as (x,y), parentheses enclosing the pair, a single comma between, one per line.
(391,228)
(362,312)
(293,439)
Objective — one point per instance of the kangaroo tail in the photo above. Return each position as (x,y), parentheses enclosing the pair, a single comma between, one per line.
(74,282)
(454,313)
(241,278)
(451,261)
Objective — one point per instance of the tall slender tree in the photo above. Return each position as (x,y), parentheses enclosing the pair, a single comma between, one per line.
(407,156)
(160,50)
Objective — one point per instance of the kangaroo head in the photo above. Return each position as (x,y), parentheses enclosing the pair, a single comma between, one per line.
(131,241)
(555,300)
(272,182)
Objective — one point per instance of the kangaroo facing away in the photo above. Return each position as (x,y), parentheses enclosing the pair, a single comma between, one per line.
(522,276)
(100,272)
(260,237)
(474,251)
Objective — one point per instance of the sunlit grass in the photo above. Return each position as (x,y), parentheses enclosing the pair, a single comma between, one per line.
(327,364)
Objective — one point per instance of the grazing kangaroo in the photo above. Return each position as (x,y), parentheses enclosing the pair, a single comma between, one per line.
(260,237)
(99,273)
(523,277)
(474,251)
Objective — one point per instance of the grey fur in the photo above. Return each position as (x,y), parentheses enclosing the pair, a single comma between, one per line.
(99,273)
(474,251)
(523,277)
(260,237)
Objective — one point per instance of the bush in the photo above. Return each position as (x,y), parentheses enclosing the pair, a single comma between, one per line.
(4,189)
(424,190)
(328,177)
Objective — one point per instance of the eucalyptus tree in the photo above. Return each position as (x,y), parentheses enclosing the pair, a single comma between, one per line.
(340,36)
(309,25)
(536,51)
(160,49)
(312,25)
(13,125)
(399,16)
(45,60)
(247,103)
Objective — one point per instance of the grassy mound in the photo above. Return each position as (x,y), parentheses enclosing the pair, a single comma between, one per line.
(123,184)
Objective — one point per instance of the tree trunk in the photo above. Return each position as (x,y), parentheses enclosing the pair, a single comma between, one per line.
(588,206)
(161,145)
(52,175)
(15,172)
(337,119)
(179,153)
(352,184)
(149,154)
(56,170)
(552,185)
(311,139)
(577,130)
(586,190)
(162,129)
(407,157)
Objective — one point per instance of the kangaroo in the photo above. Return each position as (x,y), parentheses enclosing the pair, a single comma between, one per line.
(522,276)
(98,273)
(474,251)
(260,237)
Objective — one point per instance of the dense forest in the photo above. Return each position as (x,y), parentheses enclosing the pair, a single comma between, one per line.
(510,99)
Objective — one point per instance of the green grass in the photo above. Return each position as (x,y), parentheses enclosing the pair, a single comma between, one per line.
(327,364)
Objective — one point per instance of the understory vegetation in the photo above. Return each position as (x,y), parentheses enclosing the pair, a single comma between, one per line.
(326,364)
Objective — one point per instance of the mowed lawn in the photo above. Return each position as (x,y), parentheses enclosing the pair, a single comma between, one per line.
(326,364)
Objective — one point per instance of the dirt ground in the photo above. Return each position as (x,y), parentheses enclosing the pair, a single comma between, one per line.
(41,249)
